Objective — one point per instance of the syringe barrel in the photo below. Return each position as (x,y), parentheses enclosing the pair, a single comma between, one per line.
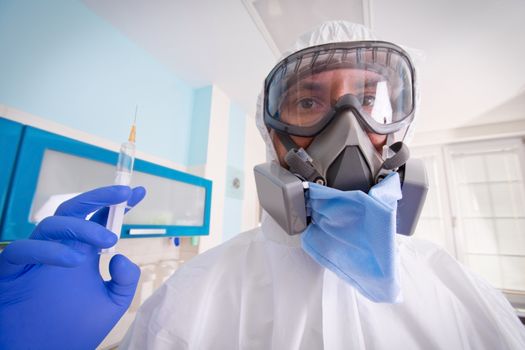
(126,157)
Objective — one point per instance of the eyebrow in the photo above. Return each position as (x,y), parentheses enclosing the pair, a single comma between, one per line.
(318,87)
(310,86)
(371,82)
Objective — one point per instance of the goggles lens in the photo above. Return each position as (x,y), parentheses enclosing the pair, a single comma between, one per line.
(303,89)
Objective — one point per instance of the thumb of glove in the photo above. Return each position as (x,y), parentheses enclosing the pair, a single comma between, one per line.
(124,278)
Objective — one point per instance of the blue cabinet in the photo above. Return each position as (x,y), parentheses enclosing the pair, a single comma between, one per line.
(10,136)
(51,168)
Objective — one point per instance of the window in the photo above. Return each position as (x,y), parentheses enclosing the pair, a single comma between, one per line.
(435,222)
(476,207)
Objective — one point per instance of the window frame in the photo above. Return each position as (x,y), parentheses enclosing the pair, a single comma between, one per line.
(449,205)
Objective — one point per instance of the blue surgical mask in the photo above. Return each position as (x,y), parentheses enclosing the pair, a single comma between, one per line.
(352,234)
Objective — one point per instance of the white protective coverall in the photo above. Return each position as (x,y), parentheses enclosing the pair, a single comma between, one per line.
(260,290)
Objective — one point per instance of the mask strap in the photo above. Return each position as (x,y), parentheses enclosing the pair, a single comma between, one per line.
(299,161)
(400,157)
(286,140)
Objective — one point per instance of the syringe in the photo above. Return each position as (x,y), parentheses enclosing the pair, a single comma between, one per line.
(122,177)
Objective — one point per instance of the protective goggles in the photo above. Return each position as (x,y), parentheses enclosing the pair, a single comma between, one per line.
(303,92)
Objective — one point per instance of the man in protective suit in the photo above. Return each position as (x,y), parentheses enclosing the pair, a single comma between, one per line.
(267,289)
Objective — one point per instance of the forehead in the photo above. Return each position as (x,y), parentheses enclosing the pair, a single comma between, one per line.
(339,76)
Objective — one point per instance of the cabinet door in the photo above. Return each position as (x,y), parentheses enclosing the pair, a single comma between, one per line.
(10,136)
(43,170)
(51,169)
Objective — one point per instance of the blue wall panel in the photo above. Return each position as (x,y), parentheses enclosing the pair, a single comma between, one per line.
(200,126)
(232,217)
(61,61)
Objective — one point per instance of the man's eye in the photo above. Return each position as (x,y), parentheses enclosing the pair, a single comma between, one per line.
(368,100)
(306,103)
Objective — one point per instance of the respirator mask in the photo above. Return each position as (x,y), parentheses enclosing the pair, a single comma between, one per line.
(337,96)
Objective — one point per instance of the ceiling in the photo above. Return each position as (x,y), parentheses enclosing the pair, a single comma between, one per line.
(470,53)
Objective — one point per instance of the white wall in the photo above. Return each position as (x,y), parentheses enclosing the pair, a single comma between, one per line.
(215,167)
(254,154)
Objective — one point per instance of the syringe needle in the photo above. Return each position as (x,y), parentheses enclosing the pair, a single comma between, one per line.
(133,130)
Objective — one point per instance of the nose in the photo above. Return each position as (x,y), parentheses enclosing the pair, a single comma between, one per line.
(339,88)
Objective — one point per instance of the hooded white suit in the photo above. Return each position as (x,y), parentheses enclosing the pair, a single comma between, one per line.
(260,290)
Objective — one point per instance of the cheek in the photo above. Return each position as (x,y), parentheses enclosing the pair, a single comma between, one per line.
(377,140)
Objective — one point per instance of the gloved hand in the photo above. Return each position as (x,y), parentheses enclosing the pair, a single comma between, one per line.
(352,234)
(52,295)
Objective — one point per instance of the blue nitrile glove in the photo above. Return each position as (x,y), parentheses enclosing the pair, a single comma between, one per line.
(51,293)
(352,234)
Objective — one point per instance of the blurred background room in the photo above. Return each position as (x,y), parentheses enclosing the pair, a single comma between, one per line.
(72,73)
